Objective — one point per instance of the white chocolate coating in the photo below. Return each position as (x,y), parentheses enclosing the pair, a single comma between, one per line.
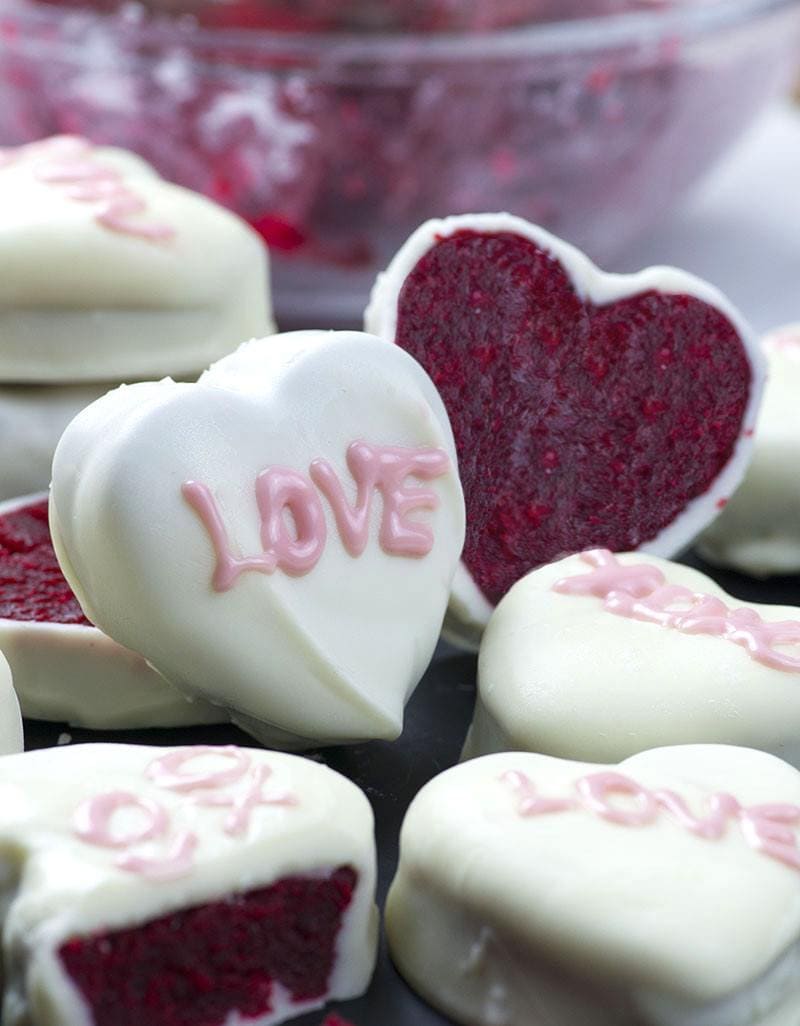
(58,886)
(80,301)
(469,609)
(11,740)
(328,656)
(32,420)
(758,532)
(496,917)
(74,673)
(561,675)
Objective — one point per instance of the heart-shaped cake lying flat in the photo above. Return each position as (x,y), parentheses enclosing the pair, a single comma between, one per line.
(193,886)
(110,273)
(758,532)
(664,891)
(600,656)
(588,409)
(279,537)
(64,668)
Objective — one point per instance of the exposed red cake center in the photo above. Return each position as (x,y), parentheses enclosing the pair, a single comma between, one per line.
(197,966)
(32,586)
(576,425)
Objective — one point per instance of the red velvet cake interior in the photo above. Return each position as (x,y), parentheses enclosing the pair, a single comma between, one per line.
(197,966)
(32,586)
(576,425)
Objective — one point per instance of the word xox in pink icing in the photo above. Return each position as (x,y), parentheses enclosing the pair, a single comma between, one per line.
(239,786)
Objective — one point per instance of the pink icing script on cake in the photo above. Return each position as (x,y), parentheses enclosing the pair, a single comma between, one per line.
(93,824)
(280,490)
(641,592)
(69,163)
(766,828)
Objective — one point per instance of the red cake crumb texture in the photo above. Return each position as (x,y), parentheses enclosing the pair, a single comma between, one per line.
(197,966)
(32,586)
(336,1020)
(576,425)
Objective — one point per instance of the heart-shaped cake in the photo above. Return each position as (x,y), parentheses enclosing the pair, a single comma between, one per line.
(758,532)
(279,537)
(588,409)
(111,273)
(664,891)
(64,668)
(193,886)
(599,656)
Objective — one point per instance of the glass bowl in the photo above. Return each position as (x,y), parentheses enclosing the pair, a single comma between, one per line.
(336,144)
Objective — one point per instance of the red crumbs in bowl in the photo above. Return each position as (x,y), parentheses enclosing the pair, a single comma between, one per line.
(32,586)
(576,425)
(197,966)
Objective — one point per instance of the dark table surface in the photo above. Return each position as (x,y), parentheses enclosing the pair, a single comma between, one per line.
(391,774)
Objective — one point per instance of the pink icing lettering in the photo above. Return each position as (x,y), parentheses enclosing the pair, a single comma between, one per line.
(632,592)
(281,491)
(168,771)
(92,821)
(386,469)
(68,163)
(769,829)
(609,575)
(245,800)
(596,788)
(712,826)
(178,862)
(529,801)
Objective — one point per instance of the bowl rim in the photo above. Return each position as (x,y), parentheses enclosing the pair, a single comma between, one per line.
(624,30)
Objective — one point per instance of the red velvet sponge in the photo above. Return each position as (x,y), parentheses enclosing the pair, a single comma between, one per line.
(32,586)
(197,966)
(576,425)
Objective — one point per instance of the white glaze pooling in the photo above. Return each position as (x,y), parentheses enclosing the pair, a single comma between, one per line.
(32,419)
(58,886)
(560,674)
(11,740)
(328,656)
(76,674)
(469,610)
(758,532)
(506,920)
(82,302)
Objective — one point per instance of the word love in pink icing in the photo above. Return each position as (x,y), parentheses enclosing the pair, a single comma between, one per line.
(641,592)
(69,163)
(770,829)
(281,491)
(239,786)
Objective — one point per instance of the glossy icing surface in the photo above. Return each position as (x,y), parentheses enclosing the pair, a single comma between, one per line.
(95,839)
(654,906)
(11,740)
(111,273)
(758,532)
(266,644)
(602,675)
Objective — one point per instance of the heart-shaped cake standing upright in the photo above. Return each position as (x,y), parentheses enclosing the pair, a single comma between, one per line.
(279,538)
(589,410)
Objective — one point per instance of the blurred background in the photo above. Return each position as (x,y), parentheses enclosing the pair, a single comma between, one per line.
(336,126)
